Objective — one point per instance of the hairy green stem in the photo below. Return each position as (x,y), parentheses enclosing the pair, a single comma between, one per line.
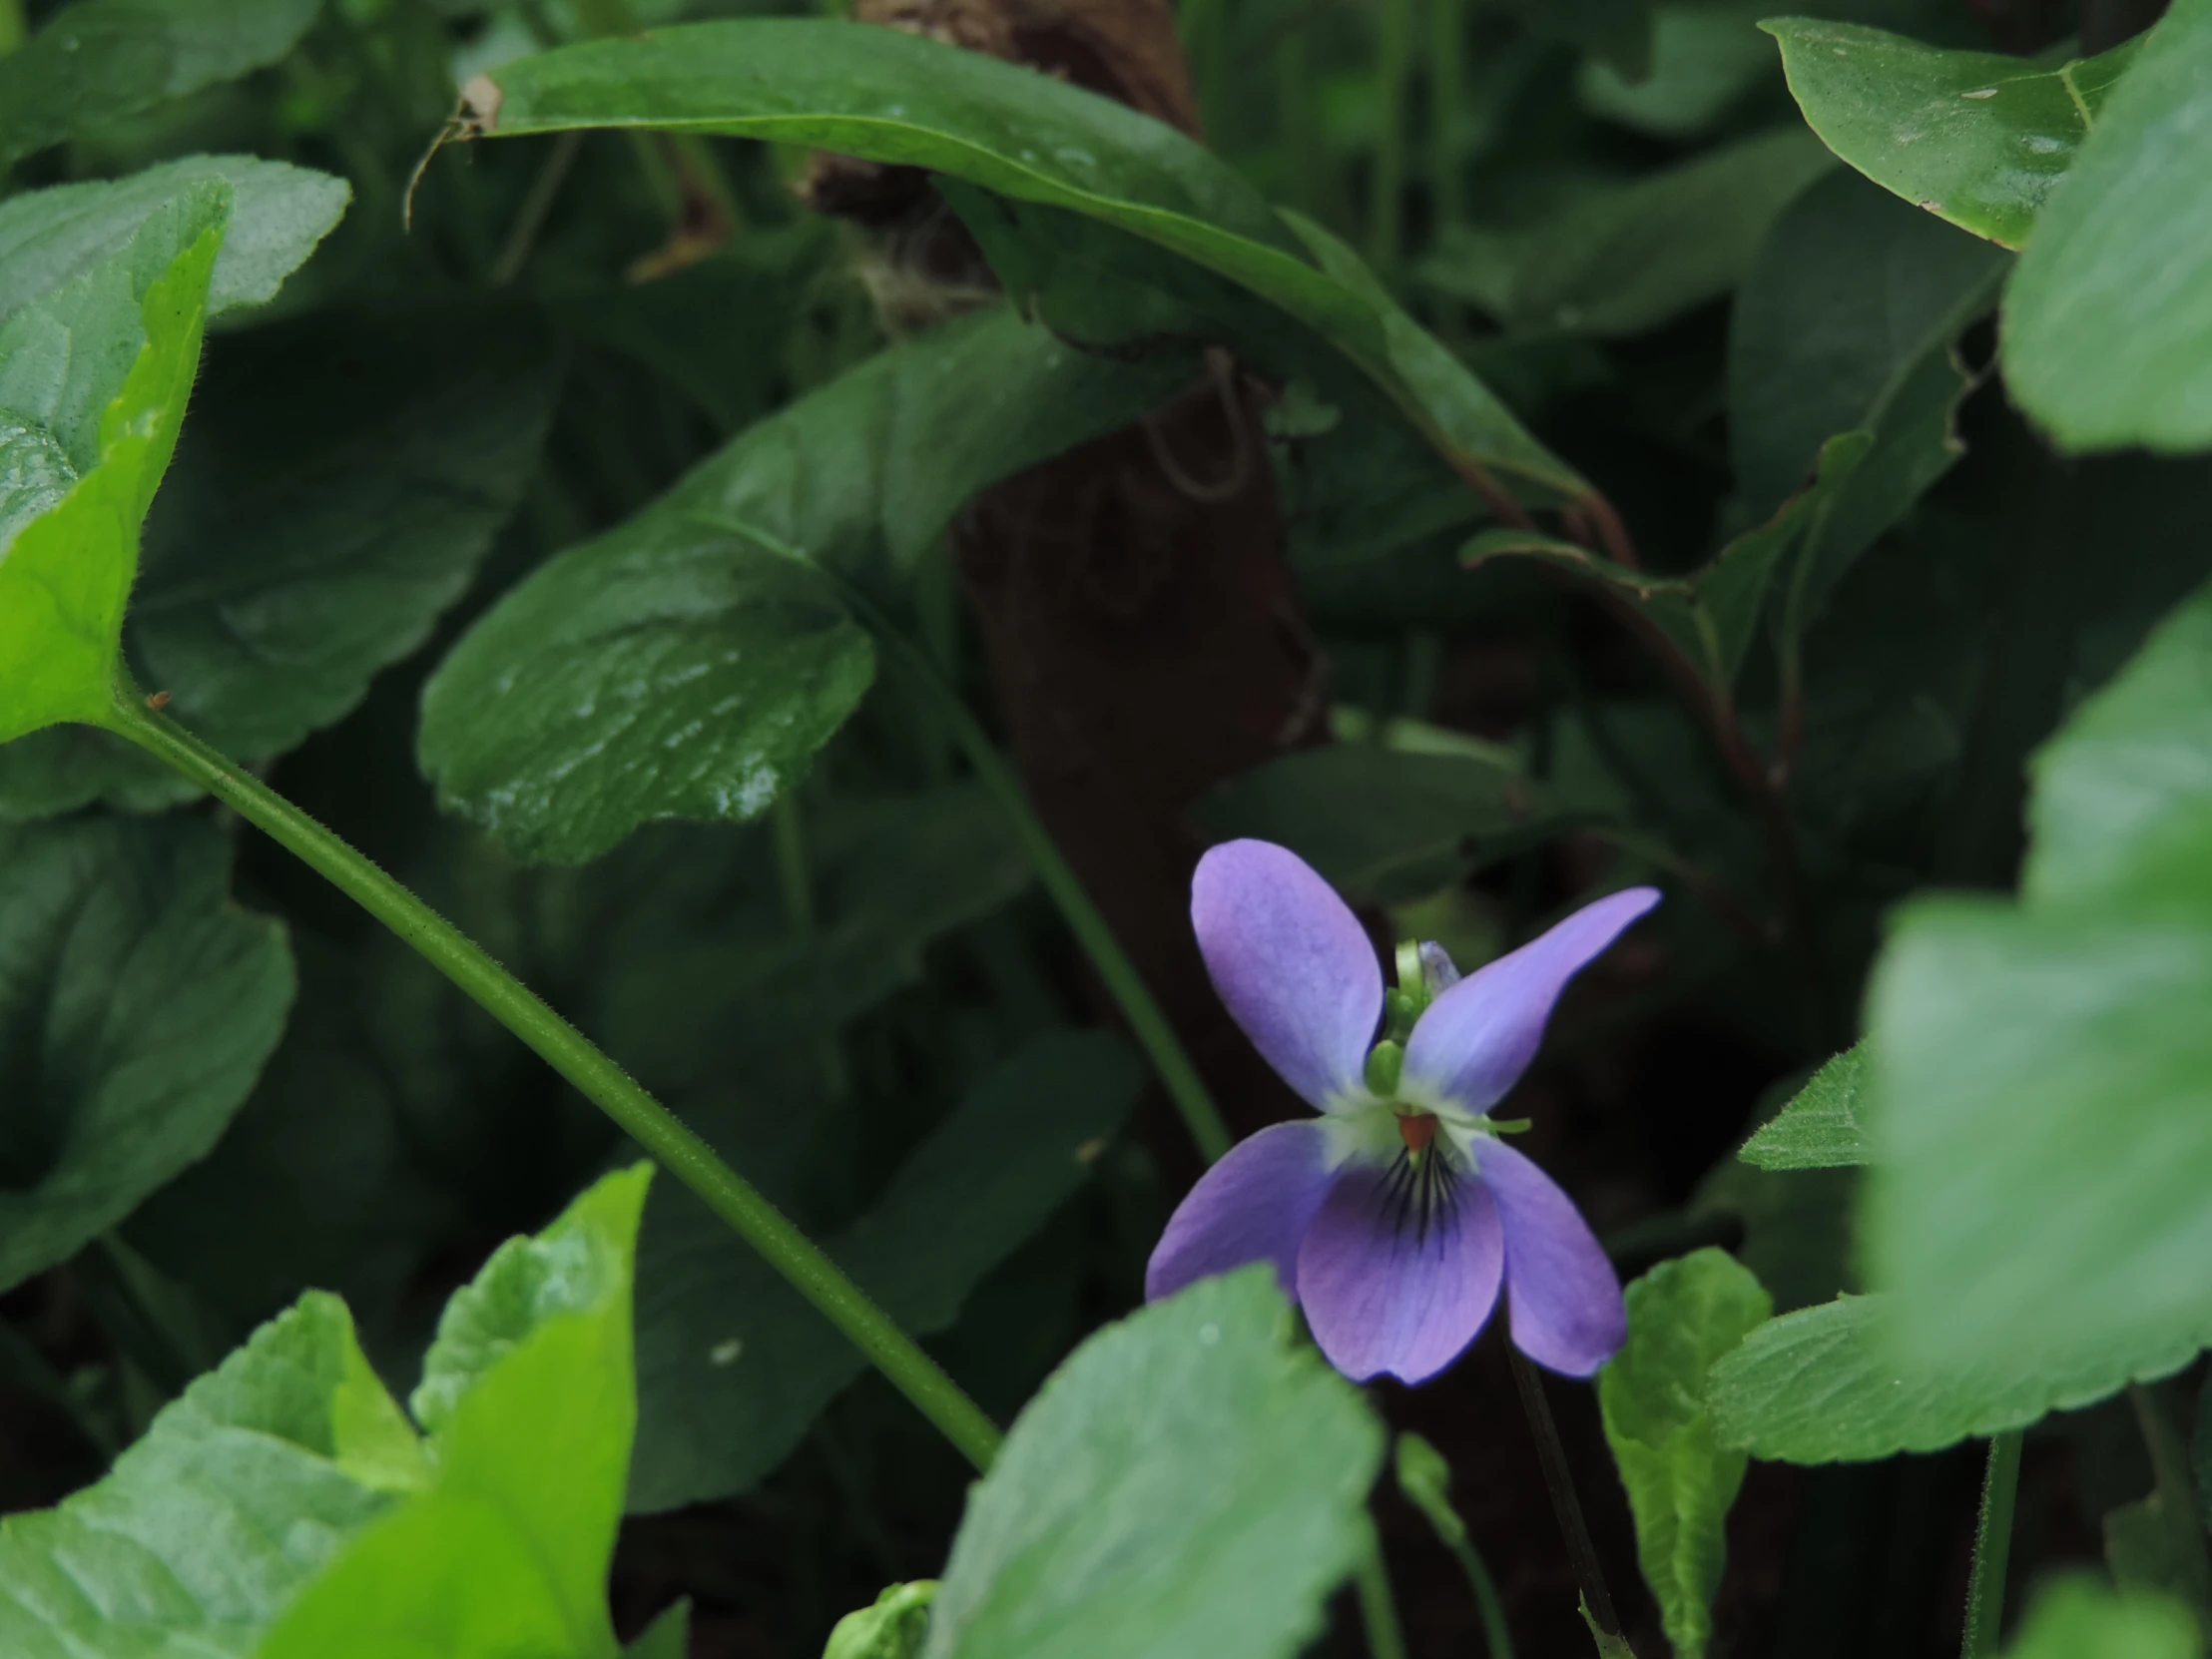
(1186,1089)
(1377,1609)
(682,1153)
(1992,1543)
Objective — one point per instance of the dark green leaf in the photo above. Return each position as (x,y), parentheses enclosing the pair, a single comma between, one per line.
(1629,258)
(98,60)
(337,487)
(243,1491)
(1190,1483)
(1706,57)
(1845,322)
(733,1364)
(1386,824)
(1976,137)
(1710,617)
(1682,1316)
(2095,352)
(1824,1385)
(529,1396)
(279,212)
(2079,1618)
(689,662)
(667,1637)
(884,95)
(1819,1128)
(137,1007)
(101,367)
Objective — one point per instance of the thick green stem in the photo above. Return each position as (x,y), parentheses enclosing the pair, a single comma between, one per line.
(1992,1543)
(679,1151)
(1123,983)
(1377,1610)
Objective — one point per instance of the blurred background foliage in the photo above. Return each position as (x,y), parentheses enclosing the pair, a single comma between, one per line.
(1611,210)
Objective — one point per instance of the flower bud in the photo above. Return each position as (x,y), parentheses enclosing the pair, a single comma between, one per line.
(1385,1062)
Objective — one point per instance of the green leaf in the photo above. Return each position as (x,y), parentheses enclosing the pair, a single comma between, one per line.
(2093,351)
(733,1365)
(1629,258)
(102,366)
(1190,1483)
(137,1008)
(2079,1618)
(99,59)
(240,1493)
(2042,1151)
(51,237)
(688,663)
(1706,58)
(884,95)
(1819,1129)
(1711,615)
(303,541)
(530,1401)
(1824,1386)
(1682,1316)
(893,1628)
(667,1637)
(1847,322)
(1976,137)
(1383,823)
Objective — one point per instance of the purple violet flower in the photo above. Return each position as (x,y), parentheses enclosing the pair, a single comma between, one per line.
(1394,1217)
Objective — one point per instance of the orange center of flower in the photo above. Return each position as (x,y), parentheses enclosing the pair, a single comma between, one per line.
(1416,1132)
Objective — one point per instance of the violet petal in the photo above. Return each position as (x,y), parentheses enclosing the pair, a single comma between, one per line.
(1292,964)
(1382,1293)
(1563,1297)
(1472,1043)
(1252,1206)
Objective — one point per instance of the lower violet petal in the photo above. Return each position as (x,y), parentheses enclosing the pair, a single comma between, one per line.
(1392,1283)
(1252,1206)
(1564,1299)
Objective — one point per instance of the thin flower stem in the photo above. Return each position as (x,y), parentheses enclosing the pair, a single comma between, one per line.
(2176,1491)
(1597,1600)
(1394,72)
(1186,1089)
(1992,1543)
(679,1151)
(1377,1609)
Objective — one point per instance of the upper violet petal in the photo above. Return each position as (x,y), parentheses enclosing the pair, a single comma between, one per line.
(1293,964)
(1472,1043)
(1383,1294)
(1563,1297)
(1252,1206)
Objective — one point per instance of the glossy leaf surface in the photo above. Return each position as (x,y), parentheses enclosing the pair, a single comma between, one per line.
(1190,1482)
(1976,137)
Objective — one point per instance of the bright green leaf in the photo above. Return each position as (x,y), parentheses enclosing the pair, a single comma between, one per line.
(688,663)
(240,1493)
(103,366)
(1819,1129)
(893,1628)
(529,1397)
(733,1365)
(303,540)
(137,1008)
(1629,258)
(1190,1483)
(2109,327)
(1976,137)
(2042,1177)
(50,237)
(1823,1385)
(889,96)
(1681,1480)
(2079,1618)
(99,59)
